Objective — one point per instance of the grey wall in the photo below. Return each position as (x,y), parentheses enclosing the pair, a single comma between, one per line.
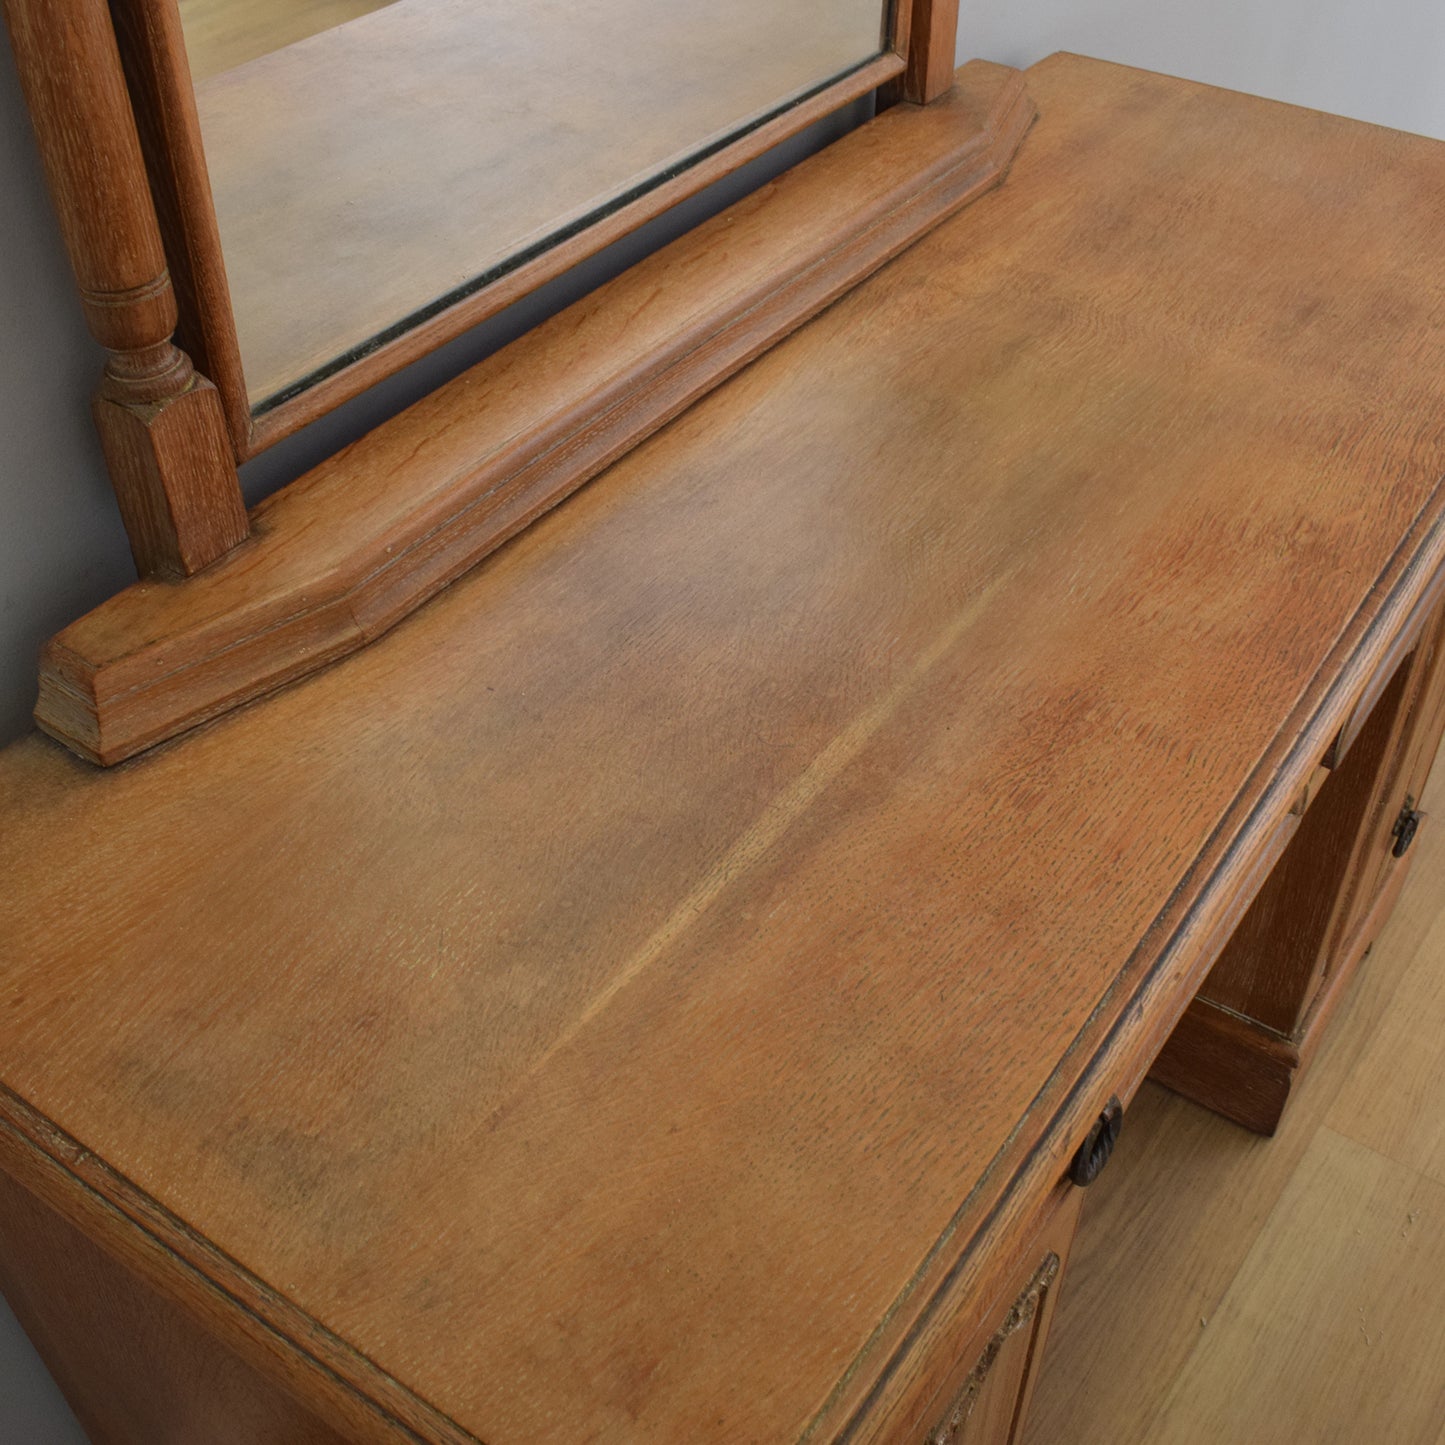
(61,546)
(1376,60)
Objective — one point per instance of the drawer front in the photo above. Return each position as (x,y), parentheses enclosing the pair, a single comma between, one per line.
(971,1384)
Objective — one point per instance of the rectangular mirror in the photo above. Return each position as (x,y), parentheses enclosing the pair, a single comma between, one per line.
(374,164)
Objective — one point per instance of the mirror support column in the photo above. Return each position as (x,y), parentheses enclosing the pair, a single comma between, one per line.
(161,422)
(932,39)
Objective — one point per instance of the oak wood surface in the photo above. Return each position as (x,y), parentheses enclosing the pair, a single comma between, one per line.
(137,1234)
(1004,1403)
(984,1398)
(351,548)
(643,992)
(1412,756)
(136,1368)
(1271,967)
(1169,1225)
(1246,1072)
(1229,1064)
(932,40)
(366,171)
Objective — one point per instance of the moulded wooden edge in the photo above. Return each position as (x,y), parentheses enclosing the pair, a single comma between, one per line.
(963,1290)
(248,1317)
(962,1345)
(357,544)
(1402,646)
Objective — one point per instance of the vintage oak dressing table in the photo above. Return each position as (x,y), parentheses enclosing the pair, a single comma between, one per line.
(676,984)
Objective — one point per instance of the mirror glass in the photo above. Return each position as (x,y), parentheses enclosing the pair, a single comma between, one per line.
(373,162)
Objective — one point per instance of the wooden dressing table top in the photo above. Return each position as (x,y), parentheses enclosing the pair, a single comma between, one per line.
(612,1005)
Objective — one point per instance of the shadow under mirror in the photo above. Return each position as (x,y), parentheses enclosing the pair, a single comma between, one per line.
(371,164)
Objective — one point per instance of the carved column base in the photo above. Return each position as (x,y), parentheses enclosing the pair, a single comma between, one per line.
(174,474)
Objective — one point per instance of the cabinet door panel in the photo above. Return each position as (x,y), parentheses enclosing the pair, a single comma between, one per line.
(989,1404)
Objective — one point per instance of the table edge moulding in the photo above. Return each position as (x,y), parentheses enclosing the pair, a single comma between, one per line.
(679,982)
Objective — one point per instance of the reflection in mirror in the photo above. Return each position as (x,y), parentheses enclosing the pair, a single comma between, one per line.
(371,168)
(222,34)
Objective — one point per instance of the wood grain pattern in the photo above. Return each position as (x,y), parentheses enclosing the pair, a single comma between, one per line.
(997,1413)
(1425,628)
(642,993)
(160,423)
(1172,1221)
(932,40)
(1247,1072)
(164,439)
(135,1367)
(1229,1064)
(1353,1228)
(1391,1101)
(984,1397)
(1272,966)
(132,1229)
(1403,1046)
(1413,751)
(351,549)
(368,175)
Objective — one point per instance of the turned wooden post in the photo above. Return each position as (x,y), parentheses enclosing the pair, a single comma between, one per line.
(161,423)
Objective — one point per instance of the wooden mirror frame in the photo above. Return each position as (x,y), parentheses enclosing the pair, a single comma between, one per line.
(340,555)
(155,59)
(110,91)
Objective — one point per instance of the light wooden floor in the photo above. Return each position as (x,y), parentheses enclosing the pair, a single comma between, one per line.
(1228,1290)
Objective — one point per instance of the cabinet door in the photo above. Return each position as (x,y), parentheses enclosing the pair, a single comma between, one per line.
(989,1404)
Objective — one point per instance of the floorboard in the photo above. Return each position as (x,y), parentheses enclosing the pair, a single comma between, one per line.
(222,34)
